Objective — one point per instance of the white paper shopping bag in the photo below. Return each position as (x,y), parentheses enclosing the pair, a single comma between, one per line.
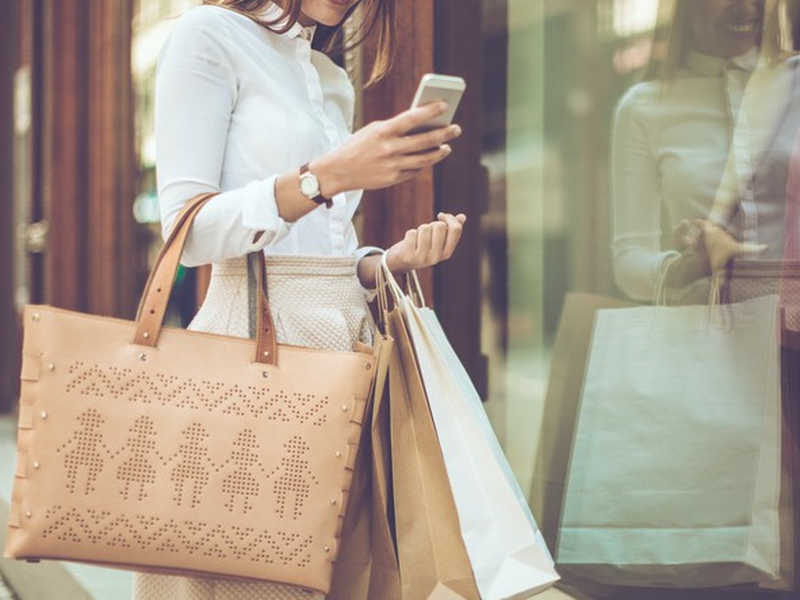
(675,469)
(508,554)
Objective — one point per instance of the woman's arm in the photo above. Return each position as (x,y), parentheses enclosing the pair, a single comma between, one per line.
(636,202)
(196,91)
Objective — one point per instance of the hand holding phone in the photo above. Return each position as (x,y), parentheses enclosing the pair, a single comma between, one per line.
(387,152)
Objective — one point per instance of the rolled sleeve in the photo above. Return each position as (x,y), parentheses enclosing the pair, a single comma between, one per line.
(360,253)
(260,213)
(228,223)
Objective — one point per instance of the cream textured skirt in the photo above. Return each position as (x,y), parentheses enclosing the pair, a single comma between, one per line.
(315,301)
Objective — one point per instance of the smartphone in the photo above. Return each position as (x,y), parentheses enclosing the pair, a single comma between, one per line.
(433,88)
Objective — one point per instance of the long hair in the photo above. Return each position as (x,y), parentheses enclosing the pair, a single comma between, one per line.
(777,40)
(377,16)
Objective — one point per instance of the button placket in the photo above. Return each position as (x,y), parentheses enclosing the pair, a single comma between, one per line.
(318,100)
(338,216)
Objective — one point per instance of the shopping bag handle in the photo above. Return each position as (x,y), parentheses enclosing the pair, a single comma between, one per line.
(157,290)
(385,279)
(414,289)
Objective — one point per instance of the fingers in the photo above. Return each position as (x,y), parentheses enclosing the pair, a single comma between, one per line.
(438,242)
(423,248)
(407,174)
(688,233)
(423,159)
(722,247)
(414,117)
(750,248)
(430,139)
(453,236)
(429,244)
(722,253)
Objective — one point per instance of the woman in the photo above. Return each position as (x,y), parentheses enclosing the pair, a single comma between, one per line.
(706,139)
(245,105)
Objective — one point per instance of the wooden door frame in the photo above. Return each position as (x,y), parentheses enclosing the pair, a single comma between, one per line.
(462,184)
(9,53)
(442,36)
(389,213)
(76,170)
(87,161)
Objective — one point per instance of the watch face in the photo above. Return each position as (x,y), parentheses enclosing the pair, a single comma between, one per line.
(309,185)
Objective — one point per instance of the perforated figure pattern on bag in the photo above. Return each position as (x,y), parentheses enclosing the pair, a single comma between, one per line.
(86,453)
(164,466)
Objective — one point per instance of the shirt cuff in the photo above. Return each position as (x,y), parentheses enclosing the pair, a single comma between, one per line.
(260,213)
(360,253)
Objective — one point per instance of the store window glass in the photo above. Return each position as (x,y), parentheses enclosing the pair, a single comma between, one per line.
(640,286)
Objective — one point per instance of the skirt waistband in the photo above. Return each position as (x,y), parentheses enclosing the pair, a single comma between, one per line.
(292,265)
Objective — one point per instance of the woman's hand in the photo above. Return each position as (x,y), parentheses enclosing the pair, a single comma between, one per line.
(713,244)
(383,153)
(427,245)
(422,247)
(705,249)
(721,247)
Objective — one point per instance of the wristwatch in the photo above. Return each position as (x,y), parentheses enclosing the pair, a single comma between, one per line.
(309,187)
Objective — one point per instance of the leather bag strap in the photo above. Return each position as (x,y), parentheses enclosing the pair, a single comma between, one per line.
(155,297)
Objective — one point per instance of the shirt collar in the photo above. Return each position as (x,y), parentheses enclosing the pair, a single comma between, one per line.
(706,64)
(272,11)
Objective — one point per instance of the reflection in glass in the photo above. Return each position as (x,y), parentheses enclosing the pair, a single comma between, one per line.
(647,150)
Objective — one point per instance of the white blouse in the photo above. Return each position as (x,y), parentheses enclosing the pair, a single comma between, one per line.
(235,106)
(671,145)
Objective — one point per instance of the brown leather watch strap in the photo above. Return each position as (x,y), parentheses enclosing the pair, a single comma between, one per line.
(155,297)
(319,198)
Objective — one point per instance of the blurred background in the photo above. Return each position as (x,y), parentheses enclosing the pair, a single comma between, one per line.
(79,226)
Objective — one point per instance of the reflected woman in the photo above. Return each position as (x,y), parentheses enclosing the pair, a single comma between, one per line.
(700,150)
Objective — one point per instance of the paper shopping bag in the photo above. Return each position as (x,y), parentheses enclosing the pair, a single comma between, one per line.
(385,576)
(432,557)
(564,383)
(367,567)
(674,477)
(508,554)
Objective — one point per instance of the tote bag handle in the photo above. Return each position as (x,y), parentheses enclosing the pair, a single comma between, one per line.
(155,297)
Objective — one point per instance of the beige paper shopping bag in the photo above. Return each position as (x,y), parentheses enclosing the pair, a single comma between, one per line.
(432,556)
(385,575)
(367,568)
(674,476)
(564,383)
(506,551)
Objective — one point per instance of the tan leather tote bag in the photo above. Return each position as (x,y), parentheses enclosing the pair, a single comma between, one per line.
(183,452)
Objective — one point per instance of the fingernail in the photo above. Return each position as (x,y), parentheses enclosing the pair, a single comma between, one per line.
(456,129)
(447,149)
(442,106)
